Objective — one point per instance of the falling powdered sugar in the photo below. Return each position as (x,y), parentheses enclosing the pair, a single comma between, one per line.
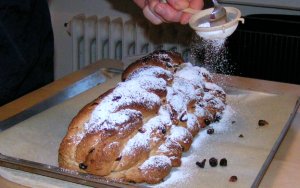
(211,54)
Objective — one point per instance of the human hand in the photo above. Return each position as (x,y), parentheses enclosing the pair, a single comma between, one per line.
(157,12)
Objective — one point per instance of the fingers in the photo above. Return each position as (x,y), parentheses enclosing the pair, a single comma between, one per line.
(179,4)
(151,16)
(140,3)
(167,12)
(194,4)
(172,11)
(158,12)
(150,12)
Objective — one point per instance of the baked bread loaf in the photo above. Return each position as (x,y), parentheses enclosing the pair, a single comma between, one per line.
(137,131)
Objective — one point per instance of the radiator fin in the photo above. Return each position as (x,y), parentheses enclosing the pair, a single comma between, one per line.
(96,38)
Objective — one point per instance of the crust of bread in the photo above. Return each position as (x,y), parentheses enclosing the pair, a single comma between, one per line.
(151,132)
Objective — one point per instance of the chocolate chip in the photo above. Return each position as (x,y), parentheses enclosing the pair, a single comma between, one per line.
(213,162)
(183,117)
(115,98)
(166,59)
(82,166)
(218,118)
(210,131)
(169,65)
(262,123)
(223,162)
(207,121)
(163,130)
(142,130)
(119,158)
(233,122)
(241,136)
(233,179)
(201,164)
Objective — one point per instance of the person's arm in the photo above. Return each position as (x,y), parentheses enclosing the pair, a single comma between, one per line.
(158,12)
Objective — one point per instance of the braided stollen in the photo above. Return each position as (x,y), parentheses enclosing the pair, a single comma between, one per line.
(137,131)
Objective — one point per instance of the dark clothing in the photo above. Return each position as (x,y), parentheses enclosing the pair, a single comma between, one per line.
(26,47)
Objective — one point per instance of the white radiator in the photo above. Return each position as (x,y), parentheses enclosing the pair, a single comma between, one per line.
(95,38)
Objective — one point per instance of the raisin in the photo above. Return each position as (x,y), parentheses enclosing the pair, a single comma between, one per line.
(163,130)
(183,117)
(233,179)
(241,136)
(169,65)
(119,158)
(218,118)
(262,123)
(201,164)
(233,122)
(210,131)
(207,121)
(213,162)
(142,130)
(82,166)
(223,162)
(166,59)
(115,98)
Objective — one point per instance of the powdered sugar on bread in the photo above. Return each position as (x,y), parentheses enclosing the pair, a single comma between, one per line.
(151,117)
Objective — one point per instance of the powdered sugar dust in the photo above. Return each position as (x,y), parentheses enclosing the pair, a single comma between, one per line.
(211,54)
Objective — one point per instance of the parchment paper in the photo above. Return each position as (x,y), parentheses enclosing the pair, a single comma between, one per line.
(38,138)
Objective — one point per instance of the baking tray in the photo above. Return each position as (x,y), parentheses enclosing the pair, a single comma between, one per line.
(30,146)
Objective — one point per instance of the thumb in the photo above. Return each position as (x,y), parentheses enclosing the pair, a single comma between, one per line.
(178,4)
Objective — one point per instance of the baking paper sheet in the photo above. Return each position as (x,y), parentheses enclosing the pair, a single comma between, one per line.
(38,138)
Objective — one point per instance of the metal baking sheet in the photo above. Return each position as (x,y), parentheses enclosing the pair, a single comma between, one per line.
(69,92)
(32,145)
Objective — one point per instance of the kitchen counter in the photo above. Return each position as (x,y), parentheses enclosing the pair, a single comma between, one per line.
(284,169)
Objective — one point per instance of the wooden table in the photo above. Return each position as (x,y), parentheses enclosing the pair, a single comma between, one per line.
(284,169)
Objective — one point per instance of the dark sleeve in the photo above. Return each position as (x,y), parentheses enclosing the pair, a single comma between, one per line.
(26,47)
